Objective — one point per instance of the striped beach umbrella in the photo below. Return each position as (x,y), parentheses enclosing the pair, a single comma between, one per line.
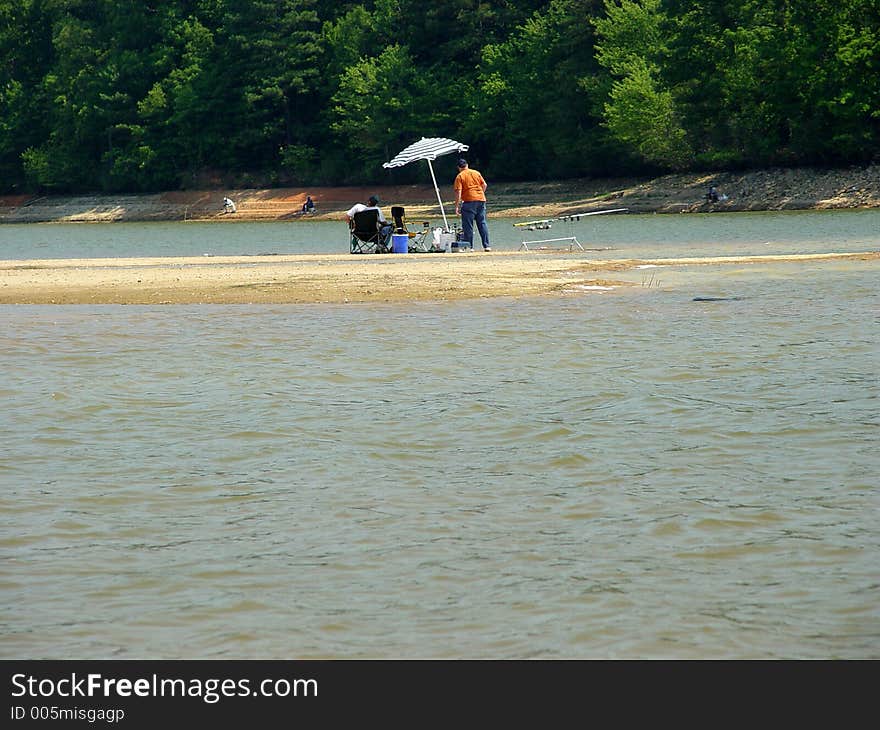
(428,148)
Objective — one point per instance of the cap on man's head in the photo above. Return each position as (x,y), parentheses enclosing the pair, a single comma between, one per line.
(462,162)
(373,200)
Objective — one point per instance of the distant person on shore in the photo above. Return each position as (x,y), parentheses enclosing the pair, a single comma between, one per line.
(309,205)
(228,206)
(713,197)
(470,203)
(372,204)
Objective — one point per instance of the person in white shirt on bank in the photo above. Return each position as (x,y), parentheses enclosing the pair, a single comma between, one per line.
(373,204)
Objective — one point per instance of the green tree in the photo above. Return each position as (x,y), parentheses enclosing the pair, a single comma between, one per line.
(69,155)
(177,131)
(536,110)
(346,39)
(267,64)
(642,111)
(26,55)
(835,60)
(778,82)
(103,57)
(378,110)
(726,64)
(133,95)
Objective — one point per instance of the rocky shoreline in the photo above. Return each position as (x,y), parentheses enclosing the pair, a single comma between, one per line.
(772,189)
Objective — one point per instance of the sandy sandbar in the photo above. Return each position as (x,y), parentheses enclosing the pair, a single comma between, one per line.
(335,278)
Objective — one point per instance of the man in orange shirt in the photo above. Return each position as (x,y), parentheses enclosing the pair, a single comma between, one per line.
(470,203)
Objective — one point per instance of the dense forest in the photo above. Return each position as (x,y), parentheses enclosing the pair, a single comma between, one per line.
(141,95)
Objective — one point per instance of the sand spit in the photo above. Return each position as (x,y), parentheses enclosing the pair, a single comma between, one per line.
(337,278)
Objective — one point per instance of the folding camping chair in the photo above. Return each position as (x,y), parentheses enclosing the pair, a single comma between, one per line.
(417,240)
(366,236)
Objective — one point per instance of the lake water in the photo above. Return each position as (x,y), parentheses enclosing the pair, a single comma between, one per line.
(615,235)
(621,474)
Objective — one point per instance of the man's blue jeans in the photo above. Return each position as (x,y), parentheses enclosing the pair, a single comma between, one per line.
(474,210)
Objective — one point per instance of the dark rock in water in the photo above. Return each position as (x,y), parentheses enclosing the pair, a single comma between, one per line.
(717,299)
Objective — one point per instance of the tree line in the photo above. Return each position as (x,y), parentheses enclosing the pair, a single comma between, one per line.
(140,95)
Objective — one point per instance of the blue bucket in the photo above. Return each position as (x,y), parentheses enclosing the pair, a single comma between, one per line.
(400,243)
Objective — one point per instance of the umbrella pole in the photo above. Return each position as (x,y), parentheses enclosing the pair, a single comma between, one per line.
(437,190)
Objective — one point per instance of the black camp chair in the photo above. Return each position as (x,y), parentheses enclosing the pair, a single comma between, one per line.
(366,235)
(417,240)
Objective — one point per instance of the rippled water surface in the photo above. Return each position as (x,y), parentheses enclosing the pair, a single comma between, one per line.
(609,474)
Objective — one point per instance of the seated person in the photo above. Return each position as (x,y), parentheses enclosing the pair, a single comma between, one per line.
(309,205)
(373,204)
